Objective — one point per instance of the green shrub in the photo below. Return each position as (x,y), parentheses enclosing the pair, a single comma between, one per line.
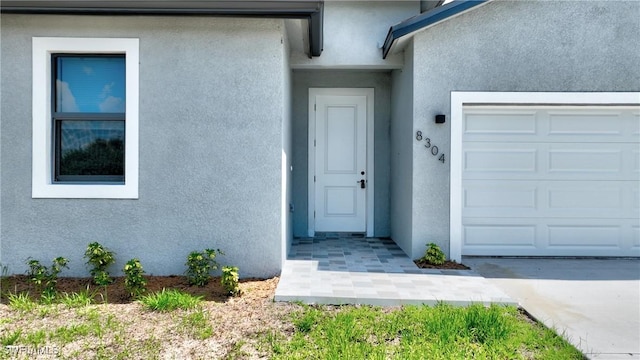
(134,281)
(229,280)
(434,255)
(200,264)
(100,258)
(45,278)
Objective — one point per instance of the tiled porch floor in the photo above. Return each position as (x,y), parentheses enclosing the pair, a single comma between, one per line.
(352,269)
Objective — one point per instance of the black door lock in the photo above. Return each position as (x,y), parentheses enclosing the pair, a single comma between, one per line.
(362,186)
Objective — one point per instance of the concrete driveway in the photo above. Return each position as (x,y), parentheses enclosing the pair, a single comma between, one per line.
(595,303)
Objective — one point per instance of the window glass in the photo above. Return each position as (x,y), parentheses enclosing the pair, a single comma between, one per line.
(88,84)
(91,147)
(85,123)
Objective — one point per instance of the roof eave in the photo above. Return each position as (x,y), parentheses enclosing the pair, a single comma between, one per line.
(310,10)
(427,19)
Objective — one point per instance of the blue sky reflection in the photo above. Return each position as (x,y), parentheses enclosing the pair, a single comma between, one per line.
(90,84)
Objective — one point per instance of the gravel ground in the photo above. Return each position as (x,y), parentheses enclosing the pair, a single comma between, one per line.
(239,325)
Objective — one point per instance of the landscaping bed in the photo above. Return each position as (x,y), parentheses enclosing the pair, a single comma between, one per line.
(116,293)
(447,265)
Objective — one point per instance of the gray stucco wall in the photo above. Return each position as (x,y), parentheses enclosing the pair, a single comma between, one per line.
(211,132)
(511,46)
(381,82)
(402,154)
(287,154)
(354,32)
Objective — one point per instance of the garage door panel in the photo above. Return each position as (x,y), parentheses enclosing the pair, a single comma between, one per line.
(483,195)
(591,237)
(485,233)
(598,159)
(584,235)
(499,160)
(551,237)
(596,124)
(558,181)
(541,199)
(634,126)
(591,161)
(542,124)
(552,161)
(589,198)
(482,123)
(635,238)
(501,198)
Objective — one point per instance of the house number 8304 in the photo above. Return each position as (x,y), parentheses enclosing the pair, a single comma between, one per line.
(432,148)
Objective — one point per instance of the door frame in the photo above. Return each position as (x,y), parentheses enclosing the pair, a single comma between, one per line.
(369,93)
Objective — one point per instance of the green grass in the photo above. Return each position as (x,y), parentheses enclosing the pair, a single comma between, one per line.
(77,300)
(94,334)
(102,331)
(36,338)
(10,338)
(419,332)
(28,307)
(70,333)
(21,302)
(196,324)
(169,300)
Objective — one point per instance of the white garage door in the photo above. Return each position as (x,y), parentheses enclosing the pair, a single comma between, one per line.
(550,180)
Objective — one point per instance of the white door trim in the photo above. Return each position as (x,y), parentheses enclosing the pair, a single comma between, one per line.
(369,93)
(460,99)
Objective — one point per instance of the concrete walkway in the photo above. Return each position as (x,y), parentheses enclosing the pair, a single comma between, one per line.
(340,269)
(595,303)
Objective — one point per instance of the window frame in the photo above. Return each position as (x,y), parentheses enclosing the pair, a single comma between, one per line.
(44,152)
(58,117)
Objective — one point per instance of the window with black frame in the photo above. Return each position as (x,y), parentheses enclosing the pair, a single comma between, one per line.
(88,101)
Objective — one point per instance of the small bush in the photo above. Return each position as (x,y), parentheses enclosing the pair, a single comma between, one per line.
(200,264)
(99,258)
(169,300)
(45,278)
(434,255)
(134,281)
(229,280)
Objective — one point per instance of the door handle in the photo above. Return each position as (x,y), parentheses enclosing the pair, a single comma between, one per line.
(362,182)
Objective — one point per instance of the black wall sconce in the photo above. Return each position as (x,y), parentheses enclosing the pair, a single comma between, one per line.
(440,119)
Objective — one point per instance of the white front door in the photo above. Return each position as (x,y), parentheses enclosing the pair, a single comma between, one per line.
(341,177)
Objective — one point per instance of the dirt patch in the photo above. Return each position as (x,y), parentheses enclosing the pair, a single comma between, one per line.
(448,265)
